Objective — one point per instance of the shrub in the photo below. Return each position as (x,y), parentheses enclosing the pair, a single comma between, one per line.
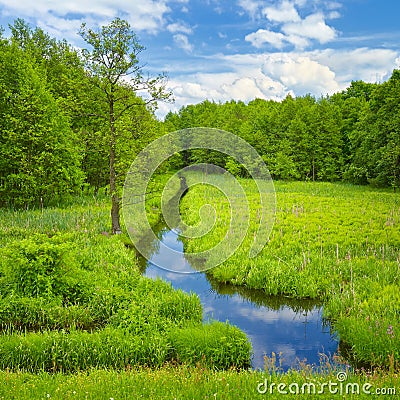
(43,267)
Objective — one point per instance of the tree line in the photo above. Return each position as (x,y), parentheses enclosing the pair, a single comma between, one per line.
(351,136)
(73,121)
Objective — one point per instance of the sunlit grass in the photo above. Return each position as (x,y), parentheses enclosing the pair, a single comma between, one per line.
(182,382)
(335,242)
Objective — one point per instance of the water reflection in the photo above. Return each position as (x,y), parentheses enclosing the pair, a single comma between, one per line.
(288,326)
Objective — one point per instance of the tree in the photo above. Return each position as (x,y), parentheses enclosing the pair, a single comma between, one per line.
(114,68)
(39,157)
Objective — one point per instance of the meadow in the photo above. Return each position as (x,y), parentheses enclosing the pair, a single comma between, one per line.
(79,321)
(187,383)
(335,242)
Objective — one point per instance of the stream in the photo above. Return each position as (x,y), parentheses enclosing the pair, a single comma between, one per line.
(289,327)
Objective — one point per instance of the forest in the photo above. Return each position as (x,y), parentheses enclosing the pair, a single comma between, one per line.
(76,313)
(55,125)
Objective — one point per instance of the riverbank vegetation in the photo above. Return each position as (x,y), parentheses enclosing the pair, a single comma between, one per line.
(189,383)
(72,298)
(334,242)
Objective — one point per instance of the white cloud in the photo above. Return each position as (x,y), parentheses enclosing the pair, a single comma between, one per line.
(333,5)
(369,65)
(301,74)
(311,27)
(276,39)
(251,7)
(244,89)
(245,82)
(334,15)
(262,36)
(144,15)
(288,26)
(298,42)
(274,75)
(182,41)
(285,12)
(179,27)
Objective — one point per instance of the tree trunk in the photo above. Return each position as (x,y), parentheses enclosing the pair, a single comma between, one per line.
(115,222)
(313,170)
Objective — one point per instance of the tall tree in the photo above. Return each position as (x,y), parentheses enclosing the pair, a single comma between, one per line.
(39,157)
(114,67)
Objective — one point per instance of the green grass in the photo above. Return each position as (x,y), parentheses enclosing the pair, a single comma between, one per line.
(334,242)
(78,321)
(182,382)
(72,298)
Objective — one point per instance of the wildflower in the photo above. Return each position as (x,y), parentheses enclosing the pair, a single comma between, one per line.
(390,331)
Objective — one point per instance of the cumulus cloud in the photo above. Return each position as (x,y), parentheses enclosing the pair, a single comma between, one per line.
(262,36)
(275,75)
(251,7)
(311,27)
(63,17)
(301,74)
(285,12)
(289,28)
(369,65)
(179,27)
(277,39)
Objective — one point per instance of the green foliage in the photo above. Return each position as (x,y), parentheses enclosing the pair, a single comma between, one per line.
(38,151)
(350,136)
(74,351)
(215,345)
(41,314)
(183,382)
(113,64)
(73,298)
(43,267)
(164,308)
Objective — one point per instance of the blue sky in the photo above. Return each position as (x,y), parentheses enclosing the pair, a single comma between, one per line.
(240,49)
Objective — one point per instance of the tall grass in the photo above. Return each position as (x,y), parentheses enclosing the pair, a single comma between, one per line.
(334,242)
(72,297)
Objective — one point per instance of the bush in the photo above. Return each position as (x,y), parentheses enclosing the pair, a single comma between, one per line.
(156,306)
(43,267)
(38,314)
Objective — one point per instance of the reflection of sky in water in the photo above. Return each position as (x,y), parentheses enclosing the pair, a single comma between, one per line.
(298,335)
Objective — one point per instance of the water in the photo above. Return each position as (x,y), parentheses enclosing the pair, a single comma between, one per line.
(273,324)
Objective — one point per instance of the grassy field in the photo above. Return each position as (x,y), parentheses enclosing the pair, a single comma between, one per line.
(79,321)
(335,242)
(182,382)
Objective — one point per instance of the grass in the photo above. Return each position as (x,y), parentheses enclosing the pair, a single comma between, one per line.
(186,382)
(72,298)
(78,320)
(334,242)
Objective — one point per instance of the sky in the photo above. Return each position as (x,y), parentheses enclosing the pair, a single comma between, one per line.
(239,49)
